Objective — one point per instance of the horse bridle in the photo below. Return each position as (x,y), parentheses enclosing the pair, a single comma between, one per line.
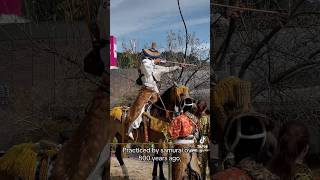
(240,135)
(187,102)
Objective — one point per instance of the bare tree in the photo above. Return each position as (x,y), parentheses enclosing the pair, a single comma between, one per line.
(278,52)
(196,76)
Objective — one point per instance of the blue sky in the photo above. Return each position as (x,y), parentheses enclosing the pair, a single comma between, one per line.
(150,20)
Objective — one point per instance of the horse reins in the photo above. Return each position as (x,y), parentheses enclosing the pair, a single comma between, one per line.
(162,102)
(165,109)
(162,108)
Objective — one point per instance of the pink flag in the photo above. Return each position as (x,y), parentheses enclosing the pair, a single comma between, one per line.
(113,53)
(11,7)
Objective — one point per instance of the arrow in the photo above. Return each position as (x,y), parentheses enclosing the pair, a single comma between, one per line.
(165,61)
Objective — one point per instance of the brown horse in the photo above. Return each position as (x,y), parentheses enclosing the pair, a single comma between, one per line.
(173,99)
(80,155)
(84,155)
(87,153)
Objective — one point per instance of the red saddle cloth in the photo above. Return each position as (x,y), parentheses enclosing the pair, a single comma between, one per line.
(181,126)
(231,174)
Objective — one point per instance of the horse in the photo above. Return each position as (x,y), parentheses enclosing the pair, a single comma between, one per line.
(86,155)
(154,125)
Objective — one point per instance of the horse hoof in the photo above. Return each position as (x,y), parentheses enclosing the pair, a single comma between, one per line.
(154,177)
(163,178)
(126,178)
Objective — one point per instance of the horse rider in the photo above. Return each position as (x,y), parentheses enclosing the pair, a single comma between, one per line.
(204,127)
(183,130)
(204,122)
(183,126)
(150,75)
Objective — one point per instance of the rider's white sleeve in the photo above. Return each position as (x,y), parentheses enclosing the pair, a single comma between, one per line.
(164,69)
(159,70)
(147,68)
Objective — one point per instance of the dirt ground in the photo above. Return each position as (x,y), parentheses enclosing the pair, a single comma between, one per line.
(138,170)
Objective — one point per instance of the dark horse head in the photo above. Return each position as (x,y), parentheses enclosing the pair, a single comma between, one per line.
(176,98)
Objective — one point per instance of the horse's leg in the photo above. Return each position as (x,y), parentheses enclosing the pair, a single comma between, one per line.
(204,161)
(155,170)
(106,173)
(161,174)
(155,167)
(119,157)
(162,177)
(98,170)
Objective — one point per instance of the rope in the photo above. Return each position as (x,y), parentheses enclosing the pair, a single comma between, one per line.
(164,106)
(162,102)
(248,9)
(161,108)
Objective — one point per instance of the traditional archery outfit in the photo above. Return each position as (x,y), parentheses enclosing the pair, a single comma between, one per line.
(182,130)
(151,74)
(183,126)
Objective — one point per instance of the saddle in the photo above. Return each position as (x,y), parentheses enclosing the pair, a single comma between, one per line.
(121,114)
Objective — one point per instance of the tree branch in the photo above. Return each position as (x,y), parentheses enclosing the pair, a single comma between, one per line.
(254,52)
(266,39)
(290,73)
(220,55)
(314,54)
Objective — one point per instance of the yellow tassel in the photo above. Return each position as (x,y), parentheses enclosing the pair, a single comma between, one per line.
(116,113)
(20,161)
(181,90)
(224,91)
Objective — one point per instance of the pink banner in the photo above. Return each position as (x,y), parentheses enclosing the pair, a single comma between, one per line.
(11,7)
(113,52)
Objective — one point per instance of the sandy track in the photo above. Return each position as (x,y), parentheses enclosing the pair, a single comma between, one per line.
(138,170)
